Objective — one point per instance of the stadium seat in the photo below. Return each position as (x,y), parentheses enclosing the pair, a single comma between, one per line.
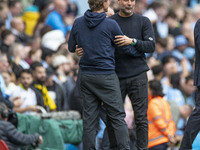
(3,145)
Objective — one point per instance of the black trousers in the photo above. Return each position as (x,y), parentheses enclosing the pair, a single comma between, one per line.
(193,125)
(96,89)
(137,90)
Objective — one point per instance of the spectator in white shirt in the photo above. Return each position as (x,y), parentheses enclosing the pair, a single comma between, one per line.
(27,95)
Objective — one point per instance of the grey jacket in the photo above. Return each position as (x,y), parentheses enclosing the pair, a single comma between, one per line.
(13,138)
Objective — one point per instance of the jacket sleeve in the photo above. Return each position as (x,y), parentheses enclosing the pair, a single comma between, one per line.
(61,98)
(72,40)
(19,138)
(171,129)
(197,35)
(128,49)
(147,44)
(157,116)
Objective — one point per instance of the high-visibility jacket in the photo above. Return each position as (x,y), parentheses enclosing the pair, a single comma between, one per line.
(160,121)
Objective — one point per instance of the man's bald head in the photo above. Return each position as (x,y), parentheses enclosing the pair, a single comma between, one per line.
(60,6)
(18,24)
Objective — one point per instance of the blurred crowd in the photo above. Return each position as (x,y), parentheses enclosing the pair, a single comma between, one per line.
(34,56)
(36,68)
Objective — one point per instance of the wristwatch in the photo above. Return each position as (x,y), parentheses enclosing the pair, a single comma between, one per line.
(134,41)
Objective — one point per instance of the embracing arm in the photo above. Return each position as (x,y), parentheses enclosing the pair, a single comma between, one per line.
(146,45)
(123,41)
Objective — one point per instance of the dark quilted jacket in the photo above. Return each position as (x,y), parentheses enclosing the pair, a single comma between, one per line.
(13,138)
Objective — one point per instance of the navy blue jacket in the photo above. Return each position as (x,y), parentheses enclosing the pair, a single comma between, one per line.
(197,54)
(95,34)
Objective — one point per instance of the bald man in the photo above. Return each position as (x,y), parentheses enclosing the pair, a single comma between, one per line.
(60,6)
(17,24)
(18,29)
(55,18)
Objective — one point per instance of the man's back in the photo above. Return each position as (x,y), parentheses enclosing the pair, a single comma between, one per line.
(95,34)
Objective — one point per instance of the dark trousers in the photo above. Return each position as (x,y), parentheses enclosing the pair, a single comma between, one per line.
(137,90)
(193,125)
(163,146)
(96,89)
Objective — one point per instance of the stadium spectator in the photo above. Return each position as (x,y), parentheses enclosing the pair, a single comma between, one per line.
(18,29)
(62,66)
(39,75)
(12,137)
(17,56)
(27,94)
(9,78)
(15,8)
(8,38)
(161,127)
(55,18)
(55,91)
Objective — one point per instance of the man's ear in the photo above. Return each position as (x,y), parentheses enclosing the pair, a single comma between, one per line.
(103,4)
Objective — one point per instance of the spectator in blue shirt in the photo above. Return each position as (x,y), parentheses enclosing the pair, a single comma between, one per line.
(56,18)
